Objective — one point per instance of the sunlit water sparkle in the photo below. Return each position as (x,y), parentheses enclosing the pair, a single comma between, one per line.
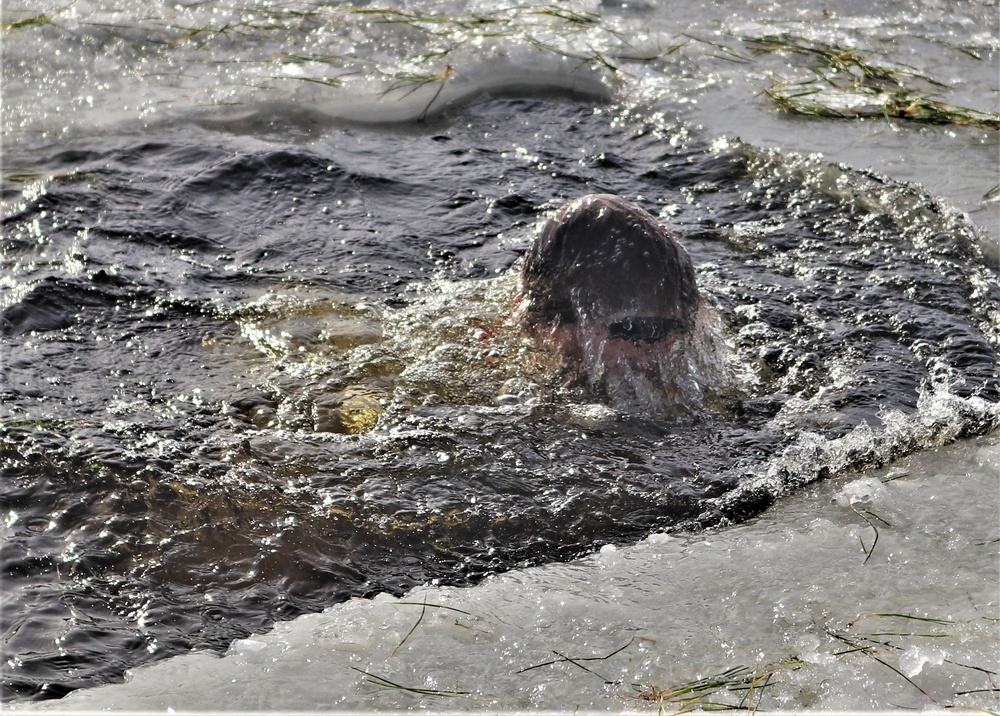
(260,339)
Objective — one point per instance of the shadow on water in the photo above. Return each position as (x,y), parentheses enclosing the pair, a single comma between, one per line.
(244,379)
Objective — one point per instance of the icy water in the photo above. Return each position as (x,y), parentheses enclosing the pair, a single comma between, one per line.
(261,351)
(781,613)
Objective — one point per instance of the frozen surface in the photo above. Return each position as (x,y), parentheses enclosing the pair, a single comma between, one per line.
(915,624)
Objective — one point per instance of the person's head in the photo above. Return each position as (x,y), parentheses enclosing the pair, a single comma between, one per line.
(614,295)
(604,265)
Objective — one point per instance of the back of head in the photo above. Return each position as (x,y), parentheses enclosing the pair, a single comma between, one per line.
(602,259)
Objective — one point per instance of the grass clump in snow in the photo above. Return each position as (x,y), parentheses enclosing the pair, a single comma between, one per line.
(846,82)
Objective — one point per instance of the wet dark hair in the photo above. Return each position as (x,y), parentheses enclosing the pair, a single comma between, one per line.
(603,259)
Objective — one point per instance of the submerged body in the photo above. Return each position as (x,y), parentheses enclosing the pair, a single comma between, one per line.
(612,291)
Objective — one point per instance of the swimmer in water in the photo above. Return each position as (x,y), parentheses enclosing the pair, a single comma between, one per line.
(612,291)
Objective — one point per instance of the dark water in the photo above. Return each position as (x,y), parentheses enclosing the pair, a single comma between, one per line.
(247,377)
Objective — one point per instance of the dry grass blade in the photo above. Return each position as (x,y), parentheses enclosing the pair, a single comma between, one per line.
(899,615)
(576,663)
(583,18)
(386,683)
(36,20)
(575,660)
(796,104)
(867,642)
(979,691)
(699,693)
(410,83)
(907,105)
(851,62)
(848,83)
(870,650)
(866,515)
(423,610)
(728,52)
(39,20)
(430,605)
(412,629)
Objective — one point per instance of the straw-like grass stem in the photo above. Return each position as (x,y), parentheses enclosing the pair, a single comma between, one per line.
(423,610)
(575,660)
(386,683)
